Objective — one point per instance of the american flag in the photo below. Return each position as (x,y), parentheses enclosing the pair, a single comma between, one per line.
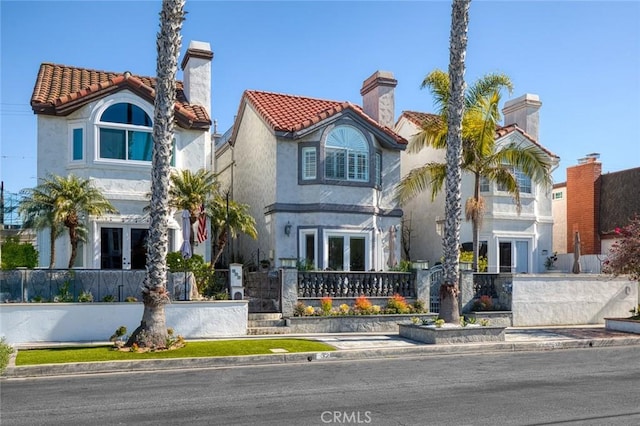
(202,225)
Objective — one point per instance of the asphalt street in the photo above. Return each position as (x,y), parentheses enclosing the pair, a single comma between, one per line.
(588,386)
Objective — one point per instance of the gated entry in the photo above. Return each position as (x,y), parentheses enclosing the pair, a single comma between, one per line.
(436,275)
(263,290)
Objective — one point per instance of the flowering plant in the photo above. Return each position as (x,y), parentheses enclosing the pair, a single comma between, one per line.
(309,310)
(344,309)
(624,255)
(363,304)
(326,303)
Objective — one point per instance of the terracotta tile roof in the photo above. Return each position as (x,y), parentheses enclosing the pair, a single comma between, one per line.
(418,118)
(61,89)
(505,130)
(290,113)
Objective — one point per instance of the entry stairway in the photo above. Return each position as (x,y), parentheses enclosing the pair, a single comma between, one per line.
(262,324)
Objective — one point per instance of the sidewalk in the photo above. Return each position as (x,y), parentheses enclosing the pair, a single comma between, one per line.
(354,346)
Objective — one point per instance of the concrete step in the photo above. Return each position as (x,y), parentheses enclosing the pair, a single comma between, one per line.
(266,323)
(259,331)
(262,317)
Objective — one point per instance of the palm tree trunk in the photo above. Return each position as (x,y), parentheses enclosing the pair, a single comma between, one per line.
(152,331)
(475,222)
(449,310)
(73,239)
(52,247)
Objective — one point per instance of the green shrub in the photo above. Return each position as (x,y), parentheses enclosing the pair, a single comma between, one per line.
(5,354)
(16,254)
(208,284)
(85,296)
(403,266)
(467,256)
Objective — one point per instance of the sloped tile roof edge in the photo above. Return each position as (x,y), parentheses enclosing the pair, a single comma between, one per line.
(56,93)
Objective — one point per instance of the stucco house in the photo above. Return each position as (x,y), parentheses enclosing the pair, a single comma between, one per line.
(511,241)
(318,176)
(98,125)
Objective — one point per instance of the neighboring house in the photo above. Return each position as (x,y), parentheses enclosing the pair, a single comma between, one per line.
(559,210)
(319,177)
(98,125)
(511,241)
(595,204)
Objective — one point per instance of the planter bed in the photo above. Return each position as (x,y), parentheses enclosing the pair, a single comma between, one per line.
(496,318)
(451,334)
(352,323)
(627,325)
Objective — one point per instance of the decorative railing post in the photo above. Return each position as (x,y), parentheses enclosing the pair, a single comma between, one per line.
(423,286)
(466,296)
(289,291)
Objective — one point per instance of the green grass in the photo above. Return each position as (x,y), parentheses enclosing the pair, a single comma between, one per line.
(191,350)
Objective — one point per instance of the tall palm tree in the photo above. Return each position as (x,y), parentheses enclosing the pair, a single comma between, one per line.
(481,156)
(37,211)
(65,200)
(189,191)
(152,331)
(228,217)
(449,310)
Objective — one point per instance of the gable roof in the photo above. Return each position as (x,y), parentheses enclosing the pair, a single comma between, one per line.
(417,118)
(61,89)
(291,114)
(619,199)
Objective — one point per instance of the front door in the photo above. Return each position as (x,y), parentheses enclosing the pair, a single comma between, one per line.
(347,252)
(514,256)
(123,248)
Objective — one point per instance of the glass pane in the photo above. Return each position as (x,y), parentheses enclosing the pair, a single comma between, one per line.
(356,254)
(139,248)
(336,253)
(77,144)
(310,248)
(505,257)
(140,146)
(522,257)
(111,248)
(112,144)
(126,114)
(309,163)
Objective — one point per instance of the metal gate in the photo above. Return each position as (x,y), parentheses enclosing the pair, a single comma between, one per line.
(436,276)
(263,290)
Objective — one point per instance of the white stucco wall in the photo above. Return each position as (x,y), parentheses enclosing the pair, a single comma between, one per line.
(83,322)
(563,299)
(125,184)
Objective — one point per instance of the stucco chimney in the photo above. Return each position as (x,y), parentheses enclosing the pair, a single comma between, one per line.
(378,99)
(196,68)
(523,111)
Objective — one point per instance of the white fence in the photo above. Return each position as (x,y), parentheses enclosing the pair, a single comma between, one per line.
(86,322)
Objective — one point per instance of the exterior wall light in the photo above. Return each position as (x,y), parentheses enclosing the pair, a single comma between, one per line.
(287,229)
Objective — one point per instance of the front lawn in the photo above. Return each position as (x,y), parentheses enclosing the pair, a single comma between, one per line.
(191,350)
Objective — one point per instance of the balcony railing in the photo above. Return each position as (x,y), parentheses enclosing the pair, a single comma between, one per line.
(353,284)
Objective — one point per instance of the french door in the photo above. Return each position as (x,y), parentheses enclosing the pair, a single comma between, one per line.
(514,256)
(123,247)
(347,252)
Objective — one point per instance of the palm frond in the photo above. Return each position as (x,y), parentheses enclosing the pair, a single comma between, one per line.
(430,176)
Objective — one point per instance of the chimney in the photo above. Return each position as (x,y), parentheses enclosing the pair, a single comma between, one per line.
(196,68)
(378,99)
(523,111)
(583,203)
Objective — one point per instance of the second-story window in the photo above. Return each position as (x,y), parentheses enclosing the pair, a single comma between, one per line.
(346,155)
(125,133)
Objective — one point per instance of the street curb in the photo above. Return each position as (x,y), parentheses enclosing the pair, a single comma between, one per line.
(45,370)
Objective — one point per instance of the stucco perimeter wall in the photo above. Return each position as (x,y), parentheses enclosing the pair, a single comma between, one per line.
(566,299)
(84,322)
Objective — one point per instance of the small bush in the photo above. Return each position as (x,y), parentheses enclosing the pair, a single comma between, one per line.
(298,311)
(326,304)
(5,354)
(363,305)
(624,255)
(85,297)
(344,309)
(130,299)
(439,322)
(419,307)
(108,298)
(309,310)
(484,303)
(397,304)
(120,331)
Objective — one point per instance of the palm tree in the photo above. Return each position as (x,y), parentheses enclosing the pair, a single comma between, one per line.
(152,331)
(228,217)
(481,157)
(37,211)
(64,201)
(457,51)
(189,191)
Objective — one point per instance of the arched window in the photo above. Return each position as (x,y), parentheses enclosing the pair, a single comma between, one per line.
(125,133)
(346,155)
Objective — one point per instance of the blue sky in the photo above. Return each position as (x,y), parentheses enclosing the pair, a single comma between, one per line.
(581,58)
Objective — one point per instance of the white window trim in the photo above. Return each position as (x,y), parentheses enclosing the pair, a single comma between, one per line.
(347,234)
(305,165)
(73,125)
(302,246)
